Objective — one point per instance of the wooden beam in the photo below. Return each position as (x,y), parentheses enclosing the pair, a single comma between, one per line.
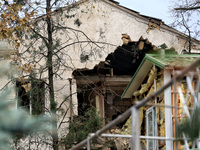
(108,80)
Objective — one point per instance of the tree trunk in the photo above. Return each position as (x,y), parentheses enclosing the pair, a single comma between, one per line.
(50,76)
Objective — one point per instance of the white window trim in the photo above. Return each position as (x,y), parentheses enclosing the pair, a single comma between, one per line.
(154,120)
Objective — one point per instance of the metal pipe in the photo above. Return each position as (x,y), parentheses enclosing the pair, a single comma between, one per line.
(88,143)
(135,127)
(141,137)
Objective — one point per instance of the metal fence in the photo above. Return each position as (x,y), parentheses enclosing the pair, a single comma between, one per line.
(134,111)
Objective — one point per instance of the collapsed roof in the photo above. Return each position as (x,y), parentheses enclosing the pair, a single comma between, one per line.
(123,61)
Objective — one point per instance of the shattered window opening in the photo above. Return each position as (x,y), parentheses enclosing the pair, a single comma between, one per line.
(31,96)
(151,125)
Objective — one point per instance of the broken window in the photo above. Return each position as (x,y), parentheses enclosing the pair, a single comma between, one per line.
(151,126)
(31,96)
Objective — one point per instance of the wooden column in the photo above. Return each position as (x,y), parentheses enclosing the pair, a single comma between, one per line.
(168,111)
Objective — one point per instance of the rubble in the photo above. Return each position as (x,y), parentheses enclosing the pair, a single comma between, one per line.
(154,24)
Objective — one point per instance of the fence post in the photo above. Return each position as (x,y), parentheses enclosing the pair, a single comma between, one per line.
(88,143)
(135,121)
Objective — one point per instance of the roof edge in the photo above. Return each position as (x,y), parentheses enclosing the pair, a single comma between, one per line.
(154,61)
(135,74)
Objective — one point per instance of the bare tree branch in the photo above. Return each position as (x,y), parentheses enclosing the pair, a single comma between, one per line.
(187,8)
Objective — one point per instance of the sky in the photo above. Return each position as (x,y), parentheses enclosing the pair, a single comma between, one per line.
(154,8)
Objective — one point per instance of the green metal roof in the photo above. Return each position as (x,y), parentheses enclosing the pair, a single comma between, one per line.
(167,60)
(173,60)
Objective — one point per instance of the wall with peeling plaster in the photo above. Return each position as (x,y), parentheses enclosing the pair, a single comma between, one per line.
(103,21)
(106,22)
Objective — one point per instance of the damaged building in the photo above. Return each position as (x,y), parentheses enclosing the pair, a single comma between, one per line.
(102,78)
(103,85)
(102,30)
(155,119)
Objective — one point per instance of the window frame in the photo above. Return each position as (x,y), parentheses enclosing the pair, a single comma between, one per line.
(152,111)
